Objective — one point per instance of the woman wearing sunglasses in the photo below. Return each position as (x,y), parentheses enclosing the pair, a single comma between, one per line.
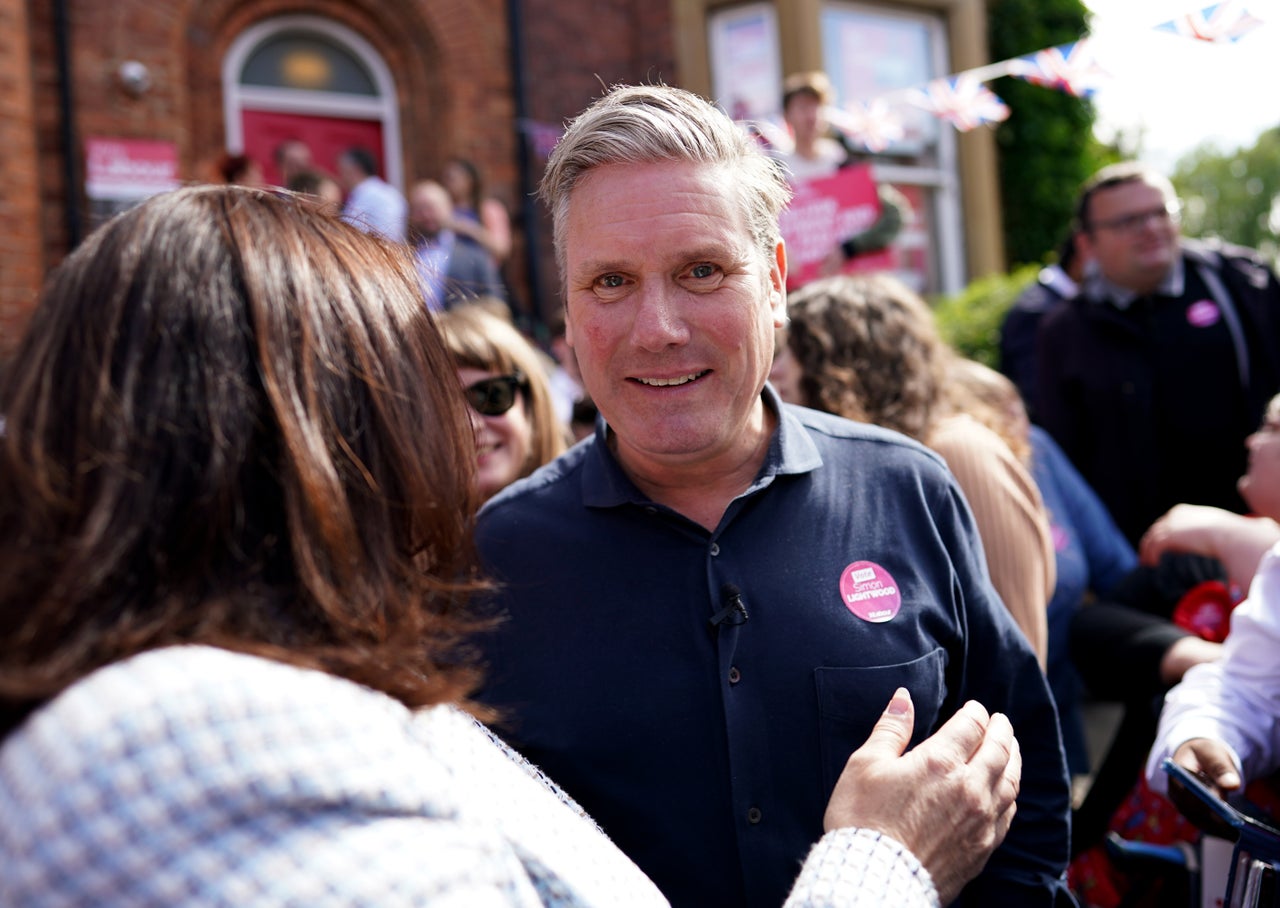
(508,395)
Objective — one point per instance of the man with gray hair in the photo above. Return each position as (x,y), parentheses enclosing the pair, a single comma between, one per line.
(708,604)
(1155,373)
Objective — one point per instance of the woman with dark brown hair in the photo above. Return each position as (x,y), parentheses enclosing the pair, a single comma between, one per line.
(236,496)
(236,478)
(210,443)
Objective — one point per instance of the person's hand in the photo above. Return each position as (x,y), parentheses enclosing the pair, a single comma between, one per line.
(1211,761)
(1237,541)
(950,801)
(1183,528)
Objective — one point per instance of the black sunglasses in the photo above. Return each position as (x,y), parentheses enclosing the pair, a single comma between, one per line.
(494,396)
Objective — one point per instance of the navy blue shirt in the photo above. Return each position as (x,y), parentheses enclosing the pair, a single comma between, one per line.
(851,566)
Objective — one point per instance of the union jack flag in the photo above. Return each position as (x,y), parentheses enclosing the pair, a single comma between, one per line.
(872,124)
(1221,23)
(1067,67)
(963,101)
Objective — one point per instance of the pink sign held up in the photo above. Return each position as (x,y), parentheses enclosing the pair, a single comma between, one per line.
(823,213)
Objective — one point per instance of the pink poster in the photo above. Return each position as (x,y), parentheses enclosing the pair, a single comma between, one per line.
(129,169)
(825,212)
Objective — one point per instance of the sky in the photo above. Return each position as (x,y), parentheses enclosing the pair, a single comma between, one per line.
(1179,91)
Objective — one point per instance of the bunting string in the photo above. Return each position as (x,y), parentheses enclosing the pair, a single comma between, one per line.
(963,99)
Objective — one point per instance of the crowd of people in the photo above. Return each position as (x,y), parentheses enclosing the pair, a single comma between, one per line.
(1149,361)
(461,236)
(314,590)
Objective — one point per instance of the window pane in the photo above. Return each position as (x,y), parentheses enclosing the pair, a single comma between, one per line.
(870,53)
(746,71)
(875,52)
(308,62)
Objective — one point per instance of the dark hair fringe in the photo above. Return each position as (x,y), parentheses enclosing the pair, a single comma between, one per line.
(232,422)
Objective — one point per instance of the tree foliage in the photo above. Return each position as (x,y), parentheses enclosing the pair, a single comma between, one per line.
(1047,150)
(1233,195)
(1046,147)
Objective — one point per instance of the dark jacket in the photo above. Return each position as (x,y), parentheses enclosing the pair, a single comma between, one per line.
(1021,326)
(471,274)
(1154,412)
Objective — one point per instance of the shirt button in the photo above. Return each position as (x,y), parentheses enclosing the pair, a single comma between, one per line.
(734,675)
(715,549)
(753,815)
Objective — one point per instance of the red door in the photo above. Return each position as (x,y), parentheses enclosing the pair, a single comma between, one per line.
(328,137)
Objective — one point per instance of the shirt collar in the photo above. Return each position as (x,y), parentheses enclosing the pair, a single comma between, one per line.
(791,450)
(1057,280)
(1099,288)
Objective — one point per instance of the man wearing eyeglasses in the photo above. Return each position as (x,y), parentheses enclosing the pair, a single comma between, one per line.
(1153,375)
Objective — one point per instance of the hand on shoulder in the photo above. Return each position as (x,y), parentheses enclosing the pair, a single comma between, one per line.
(950,800)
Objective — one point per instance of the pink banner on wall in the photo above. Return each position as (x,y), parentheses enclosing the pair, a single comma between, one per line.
(129,169)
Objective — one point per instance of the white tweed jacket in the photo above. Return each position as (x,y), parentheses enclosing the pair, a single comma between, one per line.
(194,775)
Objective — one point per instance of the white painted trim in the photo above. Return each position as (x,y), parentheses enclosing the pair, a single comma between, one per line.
(951,232)
(325,103)
(764,78)
(940,175)
(384,108)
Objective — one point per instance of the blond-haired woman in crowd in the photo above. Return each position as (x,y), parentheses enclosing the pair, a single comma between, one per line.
(504,379)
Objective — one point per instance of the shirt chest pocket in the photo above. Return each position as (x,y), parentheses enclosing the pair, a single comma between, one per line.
(851,700)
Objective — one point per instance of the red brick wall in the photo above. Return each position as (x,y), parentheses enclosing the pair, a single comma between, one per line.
(20,252)
(451,60)
(573,49)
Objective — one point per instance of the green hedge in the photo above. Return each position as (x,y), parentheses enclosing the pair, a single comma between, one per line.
(970,320)
(1046,147)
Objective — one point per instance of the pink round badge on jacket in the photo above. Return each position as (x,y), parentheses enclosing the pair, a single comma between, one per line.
(1203,314)
(870,592)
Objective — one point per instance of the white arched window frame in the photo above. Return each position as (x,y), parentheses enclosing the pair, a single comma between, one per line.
(936,166)
(383,107)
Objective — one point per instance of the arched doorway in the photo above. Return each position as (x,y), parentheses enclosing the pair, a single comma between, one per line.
(309,78)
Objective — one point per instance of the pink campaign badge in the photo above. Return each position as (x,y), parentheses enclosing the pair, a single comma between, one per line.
(1203,314)
(869,592)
